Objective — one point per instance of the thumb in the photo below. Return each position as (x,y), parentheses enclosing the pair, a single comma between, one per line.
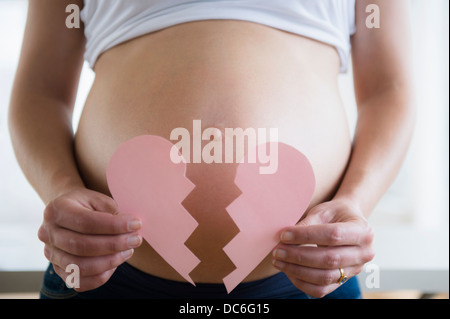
(317,215)
(103,203)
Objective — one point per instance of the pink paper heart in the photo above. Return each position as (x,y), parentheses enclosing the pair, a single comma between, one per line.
(268,203)
(145,182)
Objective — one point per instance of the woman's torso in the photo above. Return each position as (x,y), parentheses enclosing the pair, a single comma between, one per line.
(228,74)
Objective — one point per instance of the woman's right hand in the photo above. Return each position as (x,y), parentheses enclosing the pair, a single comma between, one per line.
(84,227)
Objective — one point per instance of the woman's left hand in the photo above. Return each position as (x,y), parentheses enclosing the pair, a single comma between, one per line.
(333,235)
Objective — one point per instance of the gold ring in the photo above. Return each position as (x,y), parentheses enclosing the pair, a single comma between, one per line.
(343,277)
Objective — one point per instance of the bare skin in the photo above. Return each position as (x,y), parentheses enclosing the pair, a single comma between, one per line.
(250,76)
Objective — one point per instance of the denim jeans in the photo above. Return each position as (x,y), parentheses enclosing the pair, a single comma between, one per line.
(128,282)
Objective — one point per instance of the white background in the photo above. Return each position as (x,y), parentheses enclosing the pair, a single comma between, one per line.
(411,222)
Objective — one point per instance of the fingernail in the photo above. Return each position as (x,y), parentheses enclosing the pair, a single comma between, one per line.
(134,241)
(279,253)
(278,264)
(135,224)
(287,236)
(127,253)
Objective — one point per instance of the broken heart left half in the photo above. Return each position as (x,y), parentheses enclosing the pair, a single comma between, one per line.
(140,177)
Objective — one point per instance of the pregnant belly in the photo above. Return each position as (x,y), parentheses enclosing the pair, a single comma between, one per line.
(222,74)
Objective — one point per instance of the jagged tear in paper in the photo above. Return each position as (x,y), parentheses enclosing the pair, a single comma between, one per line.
(145,182)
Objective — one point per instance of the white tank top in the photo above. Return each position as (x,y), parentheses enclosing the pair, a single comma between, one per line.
(109,23)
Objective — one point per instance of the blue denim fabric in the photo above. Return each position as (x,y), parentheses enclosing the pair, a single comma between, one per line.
(53,287)
(128,282)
